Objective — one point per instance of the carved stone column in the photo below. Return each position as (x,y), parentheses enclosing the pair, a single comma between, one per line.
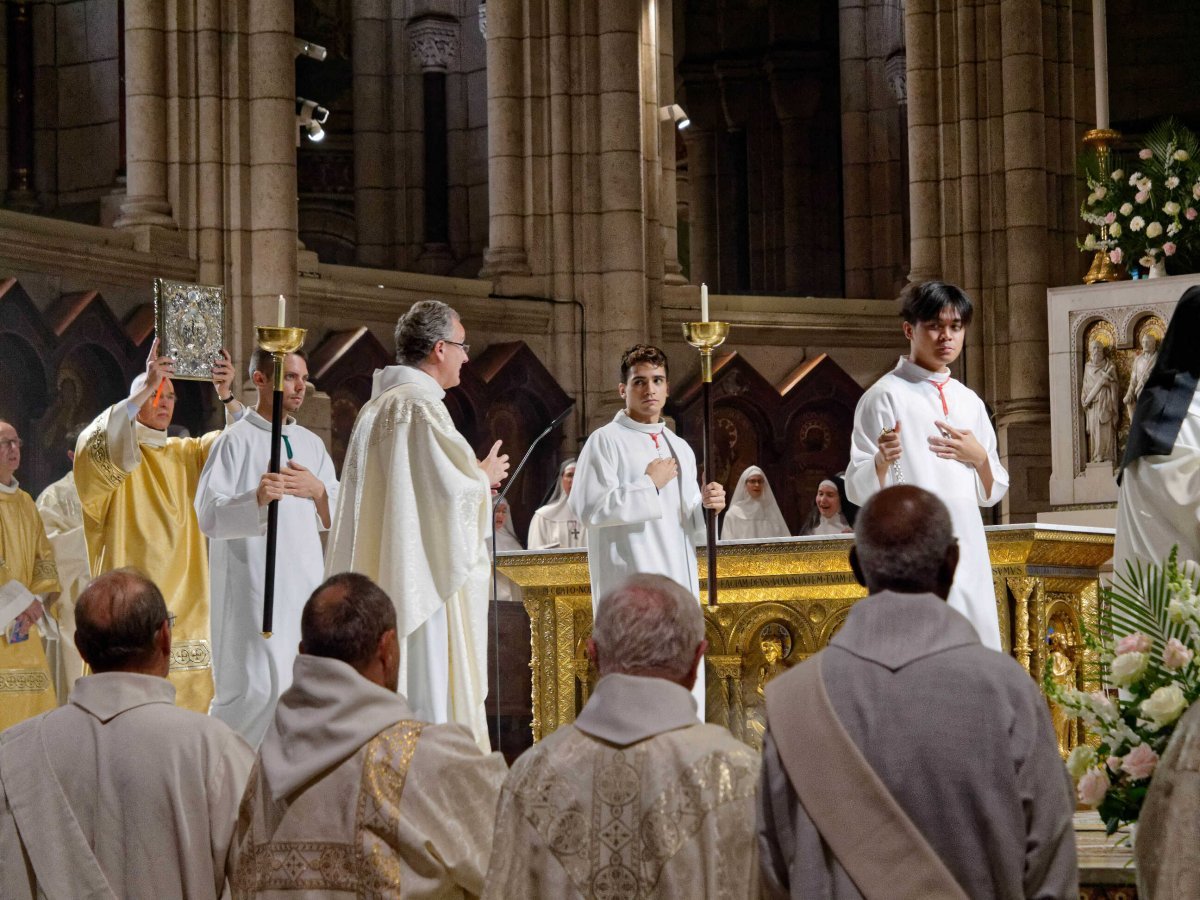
(433,41)
(145,118)
(505,253)
(372,134)
(19,22)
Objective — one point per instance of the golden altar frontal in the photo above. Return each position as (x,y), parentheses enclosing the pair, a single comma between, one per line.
(782,600)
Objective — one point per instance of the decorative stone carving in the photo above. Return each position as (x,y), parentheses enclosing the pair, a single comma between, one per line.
(895,68)
(1098,397)
(433,41)
(483,20)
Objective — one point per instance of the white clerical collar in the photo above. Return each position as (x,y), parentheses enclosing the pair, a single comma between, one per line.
(10,488)
(623,418)
(910,371)
(150,436)
(259,421)
(393,376)
(625,709)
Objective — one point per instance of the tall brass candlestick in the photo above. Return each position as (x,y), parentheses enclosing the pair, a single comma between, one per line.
(280,341)
(705,337)
(1103,268)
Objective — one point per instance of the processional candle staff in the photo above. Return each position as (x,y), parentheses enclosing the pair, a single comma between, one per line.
(279,340)
(705,336)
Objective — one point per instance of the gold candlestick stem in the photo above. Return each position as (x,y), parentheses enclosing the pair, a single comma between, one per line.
(1103,268)
(705,337)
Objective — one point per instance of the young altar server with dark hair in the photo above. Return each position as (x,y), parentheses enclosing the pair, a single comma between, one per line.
(636,489)
(919,425)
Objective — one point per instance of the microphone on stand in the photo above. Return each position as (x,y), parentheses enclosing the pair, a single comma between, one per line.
(495,596)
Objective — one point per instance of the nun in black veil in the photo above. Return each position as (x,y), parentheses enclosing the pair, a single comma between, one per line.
(1158,503)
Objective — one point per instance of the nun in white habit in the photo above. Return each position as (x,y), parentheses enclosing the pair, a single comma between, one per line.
(753,512)
(555,525)
(506,539)
(826,516)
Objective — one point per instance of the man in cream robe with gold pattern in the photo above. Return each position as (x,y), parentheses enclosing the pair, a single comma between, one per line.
(137,486)
(413,514)
(353,795)
(26,570)
(62,515)
(636,798)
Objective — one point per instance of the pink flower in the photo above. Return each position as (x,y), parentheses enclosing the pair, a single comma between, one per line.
(1110,218)
(1115,256)
(1141,196)
(1169,249)
(1113,763)
(1175,654)
(1191,213)
(1134,643)
(1145,153)
(1139,762)
(1092,787)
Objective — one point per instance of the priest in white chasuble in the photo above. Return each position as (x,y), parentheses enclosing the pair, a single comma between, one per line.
(414,515)
(918,425)
(62,515)
(136,486)
(26,570)
(635,798)
(352,794)
(232,499)
(1158,503)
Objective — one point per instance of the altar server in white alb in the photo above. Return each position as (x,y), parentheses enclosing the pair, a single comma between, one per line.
(414,515)
(753,511)
(555,526)
(1158,505)
(637,492)
(918,425)
(232,498)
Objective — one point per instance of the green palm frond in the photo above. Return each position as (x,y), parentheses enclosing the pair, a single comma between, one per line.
(1138,601)
(1170,135)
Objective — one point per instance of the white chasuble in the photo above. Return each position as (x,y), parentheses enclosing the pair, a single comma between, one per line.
(917,398)
(250,671)
(1158,502)
(414,515)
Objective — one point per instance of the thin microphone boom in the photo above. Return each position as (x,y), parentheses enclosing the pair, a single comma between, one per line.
(495,593)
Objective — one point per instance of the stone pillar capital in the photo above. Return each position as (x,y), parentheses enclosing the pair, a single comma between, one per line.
(895,68)
(433,41)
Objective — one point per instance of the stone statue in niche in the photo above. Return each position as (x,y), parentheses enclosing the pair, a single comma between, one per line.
(1143,363)
(1099,401)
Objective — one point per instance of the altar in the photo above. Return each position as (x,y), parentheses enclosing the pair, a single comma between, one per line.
(781,600)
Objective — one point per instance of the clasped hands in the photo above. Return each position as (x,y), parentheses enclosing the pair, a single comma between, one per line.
(953,443)
(662,471)
(293,481)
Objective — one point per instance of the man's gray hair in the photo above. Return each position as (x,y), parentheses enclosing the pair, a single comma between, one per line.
(648,622)
(901,536)
(419,329)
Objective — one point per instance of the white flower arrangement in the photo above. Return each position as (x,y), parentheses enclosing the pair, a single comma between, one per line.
(1156,614)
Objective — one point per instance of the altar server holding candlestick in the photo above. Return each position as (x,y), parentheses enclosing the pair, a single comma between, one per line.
(939,428)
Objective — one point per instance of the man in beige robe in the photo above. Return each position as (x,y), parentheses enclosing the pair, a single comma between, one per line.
(352,795)
(62,515)
(906,760)
(1167,850)
(636,798)
(136,487)
(120,793)
(27,576)
(413,514)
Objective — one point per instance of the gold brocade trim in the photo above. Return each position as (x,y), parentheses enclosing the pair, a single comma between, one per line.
(619,850)
(45,570)
(368,867)
(190,655)
(23,681)
(96,447)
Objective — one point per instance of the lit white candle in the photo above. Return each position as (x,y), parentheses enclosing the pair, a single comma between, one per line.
(703,302)
(281,312)
(1100,51)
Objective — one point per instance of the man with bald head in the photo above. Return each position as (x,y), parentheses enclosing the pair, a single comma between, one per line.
(637,797)
(351,792)
(906,760)
(136,488)
(120,793)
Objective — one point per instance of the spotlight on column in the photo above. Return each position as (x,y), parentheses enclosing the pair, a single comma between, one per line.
(310,116)
(309,49)
(674,113)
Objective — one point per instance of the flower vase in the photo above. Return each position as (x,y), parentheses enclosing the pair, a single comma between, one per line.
(1159,269)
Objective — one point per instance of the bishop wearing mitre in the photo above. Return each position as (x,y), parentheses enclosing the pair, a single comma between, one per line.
(414,516)
(136,486)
